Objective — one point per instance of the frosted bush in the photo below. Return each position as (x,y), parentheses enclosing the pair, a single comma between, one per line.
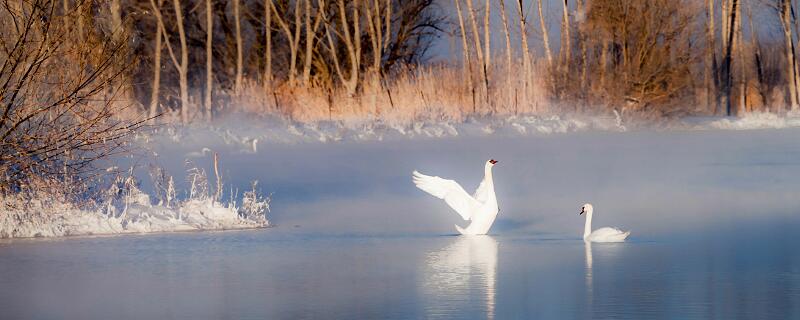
(123,208)
(254,206)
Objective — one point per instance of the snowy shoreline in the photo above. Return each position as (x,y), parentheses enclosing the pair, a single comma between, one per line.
(52,218)
(131,233)
(124,208)
(245,133)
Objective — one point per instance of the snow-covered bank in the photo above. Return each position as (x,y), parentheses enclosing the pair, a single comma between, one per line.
(750,121)
(124,208)
(51,218)
(39,218)
(246,133)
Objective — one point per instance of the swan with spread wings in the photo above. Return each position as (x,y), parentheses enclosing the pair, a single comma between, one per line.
(480,208)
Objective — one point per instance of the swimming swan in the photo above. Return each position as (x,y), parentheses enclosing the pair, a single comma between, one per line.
(602,234)
(480,208)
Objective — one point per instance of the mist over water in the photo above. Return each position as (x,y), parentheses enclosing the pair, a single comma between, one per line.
(656,183)
(714,218)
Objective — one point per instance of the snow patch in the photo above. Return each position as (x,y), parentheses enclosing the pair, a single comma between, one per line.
(23,218)
(754,121)
(244,133)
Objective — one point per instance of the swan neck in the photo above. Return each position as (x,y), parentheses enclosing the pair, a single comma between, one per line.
(587,230)
(487,173)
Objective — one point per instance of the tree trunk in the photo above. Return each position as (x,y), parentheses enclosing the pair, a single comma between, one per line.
(116,20)
(353,45)
(739,46)
(311,36)
(604,61)
(184,66)
(292,38)
(582,38)
(239,63)
(545,37)
(156,70)
(374,32)
(757,59)
(209,58)
(711,59)
(728,61)
(725,16)
(526,55)
(465,48)
(267,45)
(486,39)
(478,48)
(566,46)
(794,51)
(790,54)
(507,34)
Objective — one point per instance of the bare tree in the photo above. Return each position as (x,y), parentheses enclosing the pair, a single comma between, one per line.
(311,35)
(526,56)
(791,60)
(54,126)
(545,35)
(352,43)
(506,32)
(183,65)
(486,38)
(727,62)
(739,47)
(650,58)
(476,38)
(293,37)
(156,86)
(209,57)
(466,50)
(565,40)
(757,58)
(267,45)
(711,58)
(582,38)
(378,27)
(239,63)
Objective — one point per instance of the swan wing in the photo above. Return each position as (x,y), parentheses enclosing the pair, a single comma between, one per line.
(608,234)
(450,191)
(482,193)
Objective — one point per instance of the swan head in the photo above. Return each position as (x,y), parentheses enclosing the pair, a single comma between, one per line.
(586,208)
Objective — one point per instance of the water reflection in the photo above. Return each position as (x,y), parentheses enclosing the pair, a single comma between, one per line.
(589,275)
(461,277)
(588,251)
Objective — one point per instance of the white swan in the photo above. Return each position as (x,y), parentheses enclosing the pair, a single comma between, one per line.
(602,234)
(481,208)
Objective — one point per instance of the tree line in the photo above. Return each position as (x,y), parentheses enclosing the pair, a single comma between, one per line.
(227,47)
(676,57)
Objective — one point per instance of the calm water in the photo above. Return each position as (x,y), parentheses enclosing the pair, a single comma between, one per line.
(714,218)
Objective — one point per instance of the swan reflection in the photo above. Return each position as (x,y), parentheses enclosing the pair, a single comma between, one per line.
(589,282)
(461,276)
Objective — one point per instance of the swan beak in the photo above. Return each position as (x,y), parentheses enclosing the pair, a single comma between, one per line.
(582,211)
(493,161)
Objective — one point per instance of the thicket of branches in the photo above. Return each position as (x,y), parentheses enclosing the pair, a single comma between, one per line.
(678,57)
(271,50)
(58,81)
